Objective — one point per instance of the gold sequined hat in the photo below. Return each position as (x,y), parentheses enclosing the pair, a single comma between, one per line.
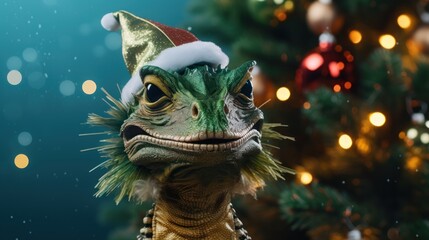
(146,42)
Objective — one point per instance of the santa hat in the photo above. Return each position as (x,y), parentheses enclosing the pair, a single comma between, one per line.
(145,42)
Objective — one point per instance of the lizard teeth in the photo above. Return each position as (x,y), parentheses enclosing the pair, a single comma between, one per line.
(183,145)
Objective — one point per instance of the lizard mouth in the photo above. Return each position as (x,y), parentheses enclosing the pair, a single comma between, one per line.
(204,141)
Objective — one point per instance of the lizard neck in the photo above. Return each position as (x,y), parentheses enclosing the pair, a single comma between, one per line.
(174,222)
(195,204)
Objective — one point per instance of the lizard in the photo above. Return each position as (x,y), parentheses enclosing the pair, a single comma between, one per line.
(190,139)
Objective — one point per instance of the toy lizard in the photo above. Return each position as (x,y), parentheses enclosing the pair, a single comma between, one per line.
(185,133)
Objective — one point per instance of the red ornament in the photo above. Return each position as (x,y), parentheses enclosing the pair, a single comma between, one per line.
(327,65)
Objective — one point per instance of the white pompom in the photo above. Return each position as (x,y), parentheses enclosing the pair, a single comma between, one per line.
(110,23)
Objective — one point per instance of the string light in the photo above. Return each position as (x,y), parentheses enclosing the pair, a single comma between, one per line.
(14,77)
(306,178)
(412,133)
(348,85)
(387,41)
(313,61)
(283,94)
(355,36)
(424,138)
(307,105)
(337,88)
(345,141)
(281,15)
(89,87)
(21,161)
(335,68)
(289,5)
(377,119)
(404,21)
(363,146)
(413,163)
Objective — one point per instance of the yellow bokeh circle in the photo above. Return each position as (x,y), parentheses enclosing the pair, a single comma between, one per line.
(21,161)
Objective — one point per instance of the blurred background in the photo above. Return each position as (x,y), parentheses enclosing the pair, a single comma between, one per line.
(349,77)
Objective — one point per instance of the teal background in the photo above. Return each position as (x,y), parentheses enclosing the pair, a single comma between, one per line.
(53,197)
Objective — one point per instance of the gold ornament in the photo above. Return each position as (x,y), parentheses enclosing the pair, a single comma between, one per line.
(322,16)
(421,39)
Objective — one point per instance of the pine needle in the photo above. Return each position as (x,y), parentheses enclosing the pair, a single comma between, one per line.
(93,134)
(263,104)
(91,149)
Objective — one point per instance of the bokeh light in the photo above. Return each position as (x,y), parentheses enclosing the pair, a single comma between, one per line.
(313,61)
(21,161)
(289,5)
(89,87)
(306,105)
(113,41)
(387,41)
(29,54)
(99,51)
(14,77)
(345,141)
(36,80)
(335,68)
(348,85)
(50,2)
(427,124)
(14,63)
(283,94)
(404,21)
(336,88)
(278,1)
(305,178)
(424,138)
(355,36)
(67,88)
(363,146)
(377,119)
(25,138)
(412,133)
(413,163)
(85,29)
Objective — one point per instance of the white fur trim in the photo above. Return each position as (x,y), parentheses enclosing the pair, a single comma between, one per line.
(176,58)
(110,23)
(179,57)
(131,88)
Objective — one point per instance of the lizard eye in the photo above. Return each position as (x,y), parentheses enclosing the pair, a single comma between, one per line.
(247,89)
(153,93)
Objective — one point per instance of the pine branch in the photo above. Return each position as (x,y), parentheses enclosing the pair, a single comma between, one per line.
(381,79)
(326,111)
(314,206)
(421,83)
(415,230)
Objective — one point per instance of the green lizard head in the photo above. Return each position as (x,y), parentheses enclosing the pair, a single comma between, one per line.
(200,117)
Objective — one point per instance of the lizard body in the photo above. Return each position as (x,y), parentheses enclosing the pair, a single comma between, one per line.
(189,139)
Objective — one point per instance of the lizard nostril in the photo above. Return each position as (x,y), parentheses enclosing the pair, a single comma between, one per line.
(195,110)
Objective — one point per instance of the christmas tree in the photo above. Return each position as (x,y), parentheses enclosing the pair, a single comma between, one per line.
(351,79)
